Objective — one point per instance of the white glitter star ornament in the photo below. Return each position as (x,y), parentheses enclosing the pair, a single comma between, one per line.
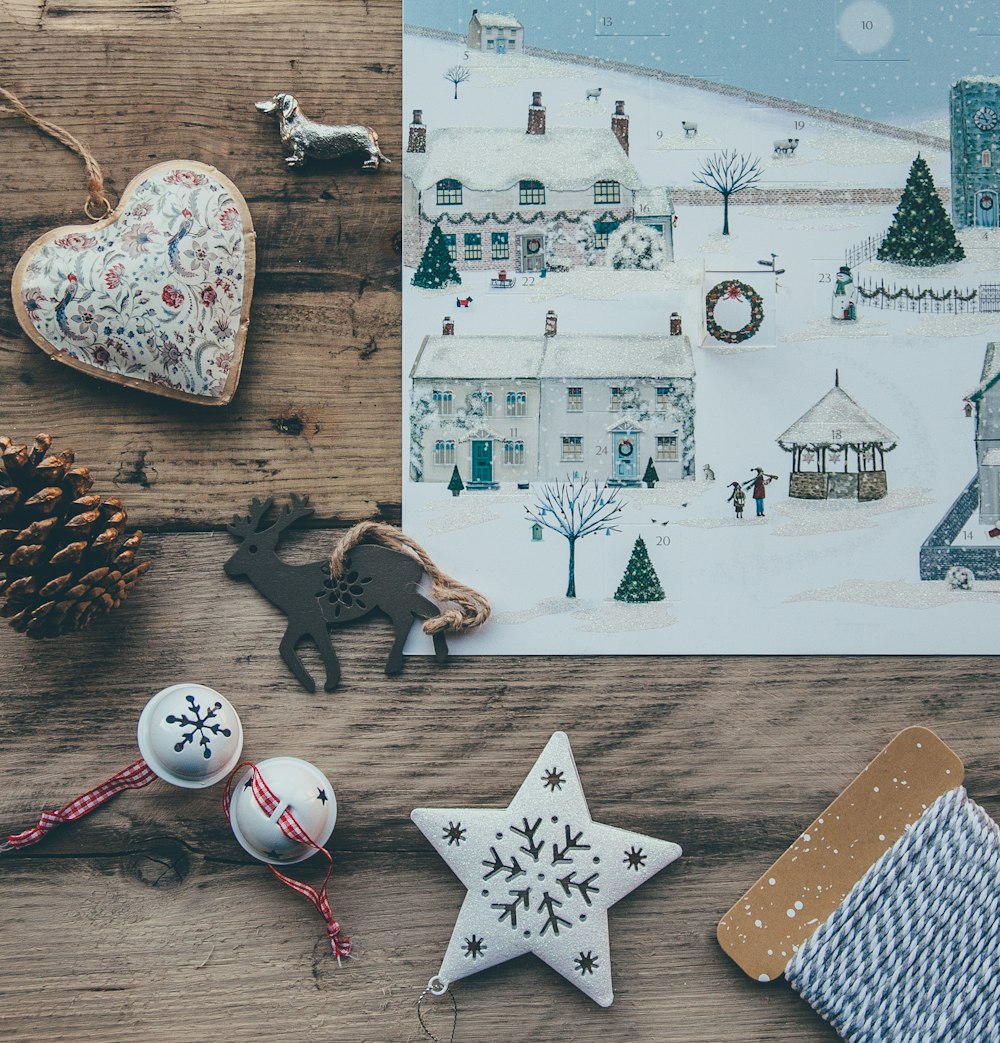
(541,875)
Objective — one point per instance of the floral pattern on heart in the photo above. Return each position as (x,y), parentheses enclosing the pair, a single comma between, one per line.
(157,293)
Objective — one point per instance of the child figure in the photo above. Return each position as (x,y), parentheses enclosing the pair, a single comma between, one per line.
(737,498)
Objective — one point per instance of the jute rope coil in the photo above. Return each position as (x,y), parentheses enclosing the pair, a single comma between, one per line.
(98,205)
(466,608)
(912,955)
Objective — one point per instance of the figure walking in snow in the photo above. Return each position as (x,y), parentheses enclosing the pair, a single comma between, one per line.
(759,482)
(845,296)
(737,498)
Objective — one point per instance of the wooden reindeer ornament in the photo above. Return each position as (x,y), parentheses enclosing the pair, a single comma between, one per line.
(358,578)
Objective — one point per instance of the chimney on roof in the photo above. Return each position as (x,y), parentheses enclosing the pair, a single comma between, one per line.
(418,133)
(675,324)
(536,114)
(619,125)
(551,323)
(448,327)
(475,11)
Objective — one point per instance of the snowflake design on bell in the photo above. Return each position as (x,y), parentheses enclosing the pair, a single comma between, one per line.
(540,876)
(200,723)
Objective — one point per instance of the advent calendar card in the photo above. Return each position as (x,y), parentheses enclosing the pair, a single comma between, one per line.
(701,312)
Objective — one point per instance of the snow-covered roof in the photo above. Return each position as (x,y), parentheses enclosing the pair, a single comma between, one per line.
(489,20)
(491,159)
(978,79)
(653,202)
(572,355)
(837,411)
(991,371)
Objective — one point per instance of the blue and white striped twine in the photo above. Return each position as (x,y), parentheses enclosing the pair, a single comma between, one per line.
(913,953)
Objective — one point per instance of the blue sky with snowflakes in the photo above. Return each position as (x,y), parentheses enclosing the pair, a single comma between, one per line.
(891,60)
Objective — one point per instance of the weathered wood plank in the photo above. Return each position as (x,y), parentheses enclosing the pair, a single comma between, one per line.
(318,406)
(729,757)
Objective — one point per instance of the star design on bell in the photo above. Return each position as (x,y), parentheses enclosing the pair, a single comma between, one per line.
(540,876)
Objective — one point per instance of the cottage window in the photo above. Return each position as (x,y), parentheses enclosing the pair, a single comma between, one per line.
(517,403)
(602,232)
(574,400)
(487,400)
(444,452)
(500,242)
(662,399)
(449,241)
(513,453)
(987,158)
(617,394)
(572,448)
(473,246)
(666,448)
(445,402)
(607,192)
(449,192)
(532,192)
(489,45)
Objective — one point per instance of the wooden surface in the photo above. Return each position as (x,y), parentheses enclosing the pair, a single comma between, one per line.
(147,921)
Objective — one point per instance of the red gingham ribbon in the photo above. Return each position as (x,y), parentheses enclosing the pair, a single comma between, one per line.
(268,802)
(135,776)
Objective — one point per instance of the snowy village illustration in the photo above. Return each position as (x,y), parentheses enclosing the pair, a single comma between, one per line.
(667,329)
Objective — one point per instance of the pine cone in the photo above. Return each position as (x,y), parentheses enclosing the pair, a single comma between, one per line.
(64,558)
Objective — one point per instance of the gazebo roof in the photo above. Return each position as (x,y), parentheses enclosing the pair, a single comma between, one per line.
(837,411)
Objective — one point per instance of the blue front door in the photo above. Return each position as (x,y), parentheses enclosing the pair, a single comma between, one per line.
(986,207)
(625,448)
(501,47)
(482,461)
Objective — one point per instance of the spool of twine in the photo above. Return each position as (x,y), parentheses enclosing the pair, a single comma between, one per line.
(913,952)
(464,608)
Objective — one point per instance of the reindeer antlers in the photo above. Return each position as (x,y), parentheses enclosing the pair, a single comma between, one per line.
(247,526)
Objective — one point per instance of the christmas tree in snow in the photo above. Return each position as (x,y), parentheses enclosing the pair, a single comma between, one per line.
(640,584)
(650,477)
(921,233)
(456,485)
(436,268)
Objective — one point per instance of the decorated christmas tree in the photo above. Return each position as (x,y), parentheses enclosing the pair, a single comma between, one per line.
(456,485)
(436,268)
(650,477)
(921,233)
(640,584)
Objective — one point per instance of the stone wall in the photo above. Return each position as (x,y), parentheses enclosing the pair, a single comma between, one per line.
(843,486)
(872,485)
(807,485)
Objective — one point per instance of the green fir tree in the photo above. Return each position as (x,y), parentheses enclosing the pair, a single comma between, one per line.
(650,477)
(640,584)
(436,269)
(456,485)
(921,233)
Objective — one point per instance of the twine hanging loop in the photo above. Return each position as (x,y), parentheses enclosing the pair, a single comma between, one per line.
(98,205)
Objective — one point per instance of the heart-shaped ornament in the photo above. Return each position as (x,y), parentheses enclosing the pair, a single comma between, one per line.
(156,295)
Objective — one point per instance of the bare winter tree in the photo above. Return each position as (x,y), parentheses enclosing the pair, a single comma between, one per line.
(457,74)
(728,173)
(576,508)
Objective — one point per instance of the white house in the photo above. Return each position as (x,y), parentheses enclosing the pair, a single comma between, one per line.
(536,408)
(525,200)
(495,33)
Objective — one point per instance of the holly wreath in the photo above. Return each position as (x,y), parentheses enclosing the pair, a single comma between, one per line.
(733,289)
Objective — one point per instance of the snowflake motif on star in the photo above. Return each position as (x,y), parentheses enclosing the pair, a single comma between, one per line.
(540,876)
(200,723)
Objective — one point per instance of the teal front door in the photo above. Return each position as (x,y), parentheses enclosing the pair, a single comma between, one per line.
(482,461)
(986,209)
(626,454)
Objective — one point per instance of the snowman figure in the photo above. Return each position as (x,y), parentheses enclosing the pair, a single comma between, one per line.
(845,296)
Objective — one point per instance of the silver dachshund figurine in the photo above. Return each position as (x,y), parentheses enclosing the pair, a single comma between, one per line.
(305,137)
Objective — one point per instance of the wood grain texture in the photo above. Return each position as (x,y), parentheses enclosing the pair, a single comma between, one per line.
(147,921)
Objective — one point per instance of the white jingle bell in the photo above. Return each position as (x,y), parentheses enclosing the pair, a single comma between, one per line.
(289,798)
(190,735)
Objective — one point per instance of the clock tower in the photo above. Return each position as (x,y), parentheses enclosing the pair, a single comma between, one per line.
(975,152)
